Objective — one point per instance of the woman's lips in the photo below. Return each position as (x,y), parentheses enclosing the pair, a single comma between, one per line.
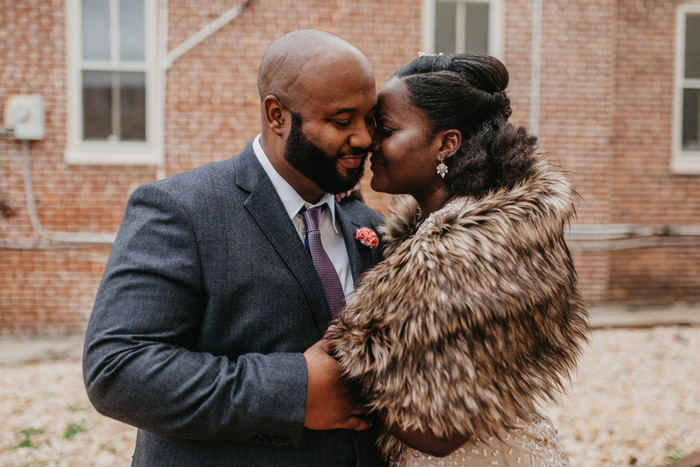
(376,163)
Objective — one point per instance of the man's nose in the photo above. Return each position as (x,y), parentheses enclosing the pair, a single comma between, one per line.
(361,136)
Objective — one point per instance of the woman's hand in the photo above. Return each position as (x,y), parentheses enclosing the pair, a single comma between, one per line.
(426,442)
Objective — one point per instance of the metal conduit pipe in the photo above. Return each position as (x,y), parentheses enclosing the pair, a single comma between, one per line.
(625,231)
(587,238)
(632,244)
(166,59)
(161,79)
(204,33)
(536,66)
(71,237)
(628,237)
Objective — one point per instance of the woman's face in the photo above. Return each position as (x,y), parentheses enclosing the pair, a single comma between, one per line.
(403,157)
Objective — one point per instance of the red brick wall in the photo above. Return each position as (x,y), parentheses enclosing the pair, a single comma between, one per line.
(605,113)
(650,276)
(50,290)
(644,190)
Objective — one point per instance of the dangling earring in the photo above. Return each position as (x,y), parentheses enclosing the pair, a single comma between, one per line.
(442,169)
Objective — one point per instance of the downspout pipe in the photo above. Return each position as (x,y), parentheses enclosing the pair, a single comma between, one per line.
(536,67)
(70,237)
(166,60)
(203,33)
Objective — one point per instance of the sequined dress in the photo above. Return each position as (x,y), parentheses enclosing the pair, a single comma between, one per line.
(528,445)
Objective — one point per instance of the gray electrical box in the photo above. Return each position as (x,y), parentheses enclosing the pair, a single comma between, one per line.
(24,115)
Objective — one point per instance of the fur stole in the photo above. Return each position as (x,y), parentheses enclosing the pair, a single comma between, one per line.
(473,319)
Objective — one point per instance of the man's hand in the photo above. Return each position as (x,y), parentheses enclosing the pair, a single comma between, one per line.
(328,404)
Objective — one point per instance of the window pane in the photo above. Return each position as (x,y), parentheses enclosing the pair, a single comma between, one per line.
(132,100)
(114,106)
(131,30)
(445,27)
(97,105)
(692,46)
(476,37)
(95,23)
(691,120)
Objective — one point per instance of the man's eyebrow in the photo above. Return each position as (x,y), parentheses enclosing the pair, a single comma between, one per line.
(350,110)
(346,110)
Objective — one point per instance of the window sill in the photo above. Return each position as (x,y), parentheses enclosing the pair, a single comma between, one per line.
(687,163)
(113,154)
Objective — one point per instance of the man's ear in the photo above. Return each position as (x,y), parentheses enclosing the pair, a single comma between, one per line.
(450,142)
(274,114)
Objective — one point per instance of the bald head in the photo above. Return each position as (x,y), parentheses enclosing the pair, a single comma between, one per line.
(304,53)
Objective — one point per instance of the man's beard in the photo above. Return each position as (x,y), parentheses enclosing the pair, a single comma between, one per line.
(317,165)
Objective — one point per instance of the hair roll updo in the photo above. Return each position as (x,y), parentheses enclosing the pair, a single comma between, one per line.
(467,92)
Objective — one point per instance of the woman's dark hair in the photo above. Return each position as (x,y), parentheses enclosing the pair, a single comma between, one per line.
(467,92)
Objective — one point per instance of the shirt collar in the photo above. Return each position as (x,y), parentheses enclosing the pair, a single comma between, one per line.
(293,203)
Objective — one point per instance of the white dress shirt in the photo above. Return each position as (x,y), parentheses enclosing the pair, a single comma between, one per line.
(331,237)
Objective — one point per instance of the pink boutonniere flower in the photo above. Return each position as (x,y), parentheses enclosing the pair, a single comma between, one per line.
(367,237)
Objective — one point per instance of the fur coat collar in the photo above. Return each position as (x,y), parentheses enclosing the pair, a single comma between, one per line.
(471,319)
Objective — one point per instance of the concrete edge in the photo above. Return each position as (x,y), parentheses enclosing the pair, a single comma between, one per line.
(622,317)
(17,350)
(20,350)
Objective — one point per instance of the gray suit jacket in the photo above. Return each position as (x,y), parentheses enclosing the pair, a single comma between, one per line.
(208,299)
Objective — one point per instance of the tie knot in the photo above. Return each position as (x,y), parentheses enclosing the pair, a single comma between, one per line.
(312,218)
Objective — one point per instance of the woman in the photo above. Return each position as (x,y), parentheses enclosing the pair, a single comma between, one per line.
(474,316)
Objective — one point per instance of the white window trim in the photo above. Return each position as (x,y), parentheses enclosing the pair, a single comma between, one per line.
(682,162)
(104,152)
(495,25)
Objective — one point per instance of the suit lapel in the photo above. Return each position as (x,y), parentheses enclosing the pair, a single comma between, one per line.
(267,210)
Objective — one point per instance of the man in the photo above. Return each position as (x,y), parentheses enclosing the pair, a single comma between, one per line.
(206,328)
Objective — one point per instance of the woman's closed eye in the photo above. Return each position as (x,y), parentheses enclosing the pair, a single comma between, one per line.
(386,131)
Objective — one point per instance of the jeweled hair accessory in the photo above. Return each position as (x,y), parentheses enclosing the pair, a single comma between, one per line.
(426,54)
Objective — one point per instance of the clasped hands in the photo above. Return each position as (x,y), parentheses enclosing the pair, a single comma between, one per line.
(328,406)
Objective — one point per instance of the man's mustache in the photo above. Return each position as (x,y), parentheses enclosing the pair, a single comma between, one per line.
(354,152)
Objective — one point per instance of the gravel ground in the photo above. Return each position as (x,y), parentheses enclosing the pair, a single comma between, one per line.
(635,401)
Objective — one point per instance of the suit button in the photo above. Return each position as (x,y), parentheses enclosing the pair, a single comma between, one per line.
(285,442)
(267,441)
(256,440)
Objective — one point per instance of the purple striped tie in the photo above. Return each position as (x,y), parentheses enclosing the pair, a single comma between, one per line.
(329,278)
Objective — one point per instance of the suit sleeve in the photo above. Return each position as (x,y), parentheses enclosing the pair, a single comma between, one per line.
(139,363)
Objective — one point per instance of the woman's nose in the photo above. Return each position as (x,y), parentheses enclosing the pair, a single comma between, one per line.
(376,140)
(374,147)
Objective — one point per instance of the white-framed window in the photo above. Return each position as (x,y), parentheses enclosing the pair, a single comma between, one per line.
(686,127)
(111,98)
(458,26)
